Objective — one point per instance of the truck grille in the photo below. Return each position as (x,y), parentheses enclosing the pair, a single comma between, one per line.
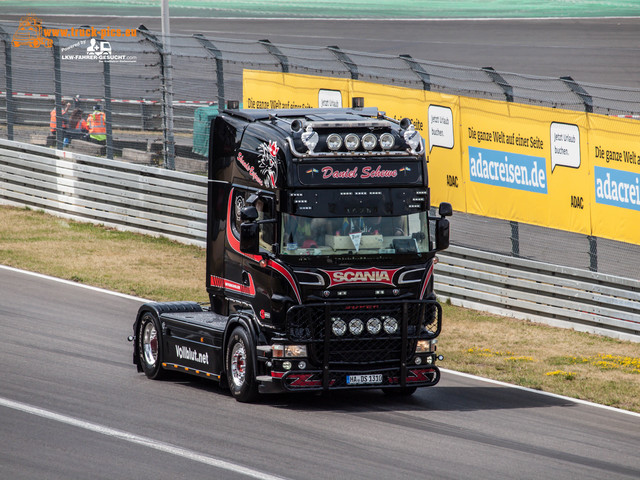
(365,340)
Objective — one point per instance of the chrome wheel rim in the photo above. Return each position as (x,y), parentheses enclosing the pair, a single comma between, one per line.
(150,344)
(238,364)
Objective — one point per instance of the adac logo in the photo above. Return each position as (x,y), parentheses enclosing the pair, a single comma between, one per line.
(353,275)
(29,32)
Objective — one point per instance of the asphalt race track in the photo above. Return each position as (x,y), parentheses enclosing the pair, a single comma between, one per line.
(73,406)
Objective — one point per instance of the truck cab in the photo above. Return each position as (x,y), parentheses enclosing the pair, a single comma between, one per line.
(320,257)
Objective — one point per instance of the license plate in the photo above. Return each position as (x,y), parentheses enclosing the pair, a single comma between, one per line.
(364,379)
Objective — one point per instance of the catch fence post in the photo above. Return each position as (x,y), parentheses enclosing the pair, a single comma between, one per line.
(167,99)
(515,238)
(57,85)
(8,81)
(275,51)
(107,107)
(499,80)
(507,89)
(593,253)
(586,99)
(217,55)
(346,61)
(416,68)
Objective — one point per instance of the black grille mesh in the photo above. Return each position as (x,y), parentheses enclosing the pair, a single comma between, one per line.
(308,323)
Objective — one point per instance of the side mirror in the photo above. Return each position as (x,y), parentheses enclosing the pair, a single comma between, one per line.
(442,233)
(249,213)
(250,237)
(445,209)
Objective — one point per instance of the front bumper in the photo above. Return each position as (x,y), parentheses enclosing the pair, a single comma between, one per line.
(380,360)
(295,381)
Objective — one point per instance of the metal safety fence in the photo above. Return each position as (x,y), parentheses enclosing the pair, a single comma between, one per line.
(158,101)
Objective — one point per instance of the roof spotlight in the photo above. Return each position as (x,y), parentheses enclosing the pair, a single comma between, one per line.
(369,141)
(351,141)
(334,142)
(387,141)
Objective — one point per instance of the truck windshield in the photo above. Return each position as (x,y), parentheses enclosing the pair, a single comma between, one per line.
(354,235)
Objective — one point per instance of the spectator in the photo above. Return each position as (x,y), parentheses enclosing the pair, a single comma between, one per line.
(53,124)
(76,122)
(96,126)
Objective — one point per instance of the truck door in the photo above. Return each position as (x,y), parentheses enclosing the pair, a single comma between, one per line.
(246,280)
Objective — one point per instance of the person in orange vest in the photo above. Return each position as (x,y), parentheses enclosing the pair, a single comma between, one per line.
(96,125)
(53,121)
(76,122)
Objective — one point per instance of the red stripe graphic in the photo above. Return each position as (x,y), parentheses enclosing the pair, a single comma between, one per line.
(234,243)
(426,281)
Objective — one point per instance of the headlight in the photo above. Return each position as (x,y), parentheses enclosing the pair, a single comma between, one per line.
(351,141)
(369,141)
(289,351)
(390,325)
(334,142)
(356,326)
(374,325)
(423,346)
(338,327)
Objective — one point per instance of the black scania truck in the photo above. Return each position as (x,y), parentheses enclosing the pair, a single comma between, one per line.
(320,256)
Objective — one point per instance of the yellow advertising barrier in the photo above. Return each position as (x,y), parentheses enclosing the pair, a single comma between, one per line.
(523,163)
(290,90)
(614,154)
(554,168)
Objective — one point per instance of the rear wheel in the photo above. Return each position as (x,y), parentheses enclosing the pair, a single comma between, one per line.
(240,366)
(150,346)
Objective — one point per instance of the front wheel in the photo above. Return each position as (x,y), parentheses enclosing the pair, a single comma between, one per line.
(150,346)
(240,366)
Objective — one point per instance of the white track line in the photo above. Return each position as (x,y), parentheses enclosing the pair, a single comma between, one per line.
(138,440)
(75,284)
(539,392)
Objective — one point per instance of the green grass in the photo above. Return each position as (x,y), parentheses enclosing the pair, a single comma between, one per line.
(590,367)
